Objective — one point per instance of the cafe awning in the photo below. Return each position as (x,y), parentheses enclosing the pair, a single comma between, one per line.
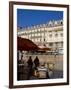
(26,44)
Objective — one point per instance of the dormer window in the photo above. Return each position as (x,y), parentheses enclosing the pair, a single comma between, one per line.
(61,22)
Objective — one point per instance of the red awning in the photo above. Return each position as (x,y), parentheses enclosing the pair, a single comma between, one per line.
(26,44)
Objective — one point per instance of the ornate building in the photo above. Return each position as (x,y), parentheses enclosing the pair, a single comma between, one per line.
(49,34)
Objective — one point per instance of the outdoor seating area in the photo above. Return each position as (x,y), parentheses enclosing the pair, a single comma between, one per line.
(40,63)
(32,70)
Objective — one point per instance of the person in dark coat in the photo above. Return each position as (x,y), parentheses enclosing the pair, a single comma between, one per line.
(36,62)
(30,65)
(30,62)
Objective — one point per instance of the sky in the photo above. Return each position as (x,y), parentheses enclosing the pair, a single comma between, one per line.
(27,17)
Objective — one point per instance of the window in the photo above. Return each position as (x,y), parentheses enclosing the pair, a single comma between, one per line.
(50,44)
(61,44)
(50,31)
(61,34)
(50,35)
(44,39)
(56,44)
(56,35)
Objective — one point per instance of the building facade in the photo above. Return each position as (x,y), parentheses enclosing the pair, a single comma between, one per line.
(49,34)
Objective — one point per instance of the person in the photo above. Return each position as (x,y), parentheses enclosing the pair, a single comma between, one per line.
(30,65)
(36,62)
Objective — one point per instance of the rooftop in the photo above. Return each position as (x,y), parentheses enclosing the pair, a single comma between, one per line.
(49,24)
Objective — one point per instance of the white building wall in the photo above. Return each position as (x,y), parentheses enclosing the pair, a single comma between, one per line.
(52,35)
